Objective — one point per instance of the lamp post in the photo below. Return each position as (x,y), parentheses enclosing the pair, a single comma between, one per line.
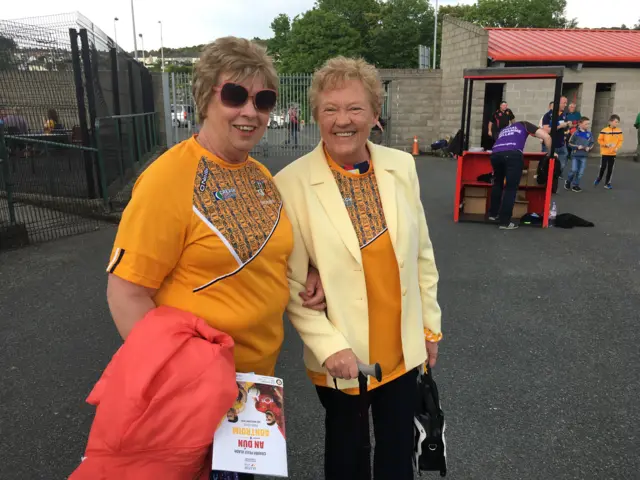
(142,46)
(435,36)
(115,31)
(135,40)
(161,45)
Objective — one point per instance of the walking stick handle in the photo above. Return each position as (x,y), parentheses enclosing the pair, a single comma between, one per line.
(372,370)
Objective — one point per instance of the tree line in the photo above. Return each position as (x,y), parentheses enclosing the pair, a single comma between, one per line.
(388,33)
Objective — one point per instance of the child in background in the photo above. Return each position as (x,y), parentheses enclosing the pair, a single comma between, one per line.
(610,140)
(581,143)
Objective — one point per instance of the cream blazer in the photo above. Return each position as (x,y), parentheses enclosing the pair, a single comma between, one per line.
(324,236)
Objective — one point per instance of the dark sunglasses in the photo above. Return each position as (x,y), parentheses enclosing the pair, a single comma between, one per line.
(236,96)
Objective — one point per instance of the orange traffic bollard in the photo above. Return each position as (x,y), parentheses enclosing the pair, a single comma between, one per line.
(416,148)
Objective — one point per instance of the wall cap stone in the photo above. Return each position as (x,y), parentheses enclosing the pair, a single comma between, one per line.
(466,25)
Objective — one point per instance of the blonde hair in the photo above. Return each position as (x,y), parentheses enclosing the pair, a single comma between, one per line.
(338,70)
(239,58)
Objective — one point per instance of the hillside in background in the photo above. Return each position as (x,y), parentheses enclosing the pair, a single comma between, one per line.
(187,52)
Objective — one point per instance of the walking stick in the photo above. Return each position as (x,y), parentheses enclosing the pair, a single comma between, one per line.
(364,462)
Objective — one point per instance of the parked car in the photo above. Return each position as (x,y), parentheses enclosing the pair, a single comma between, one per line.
(182,116)
(276,121)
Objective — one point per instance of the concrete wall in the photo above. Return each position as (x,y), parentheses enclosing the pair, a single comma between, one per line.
(463,46)
(529,101)
(414,106)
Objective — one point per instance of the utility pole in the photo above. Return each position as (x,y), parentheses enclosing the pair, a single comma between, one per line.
(435,36)
(142,46)
(161,45)
(115,32)
(135,39)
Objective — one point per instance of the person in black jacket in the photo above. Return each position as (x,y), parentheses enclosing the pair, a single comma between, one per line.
(502,118)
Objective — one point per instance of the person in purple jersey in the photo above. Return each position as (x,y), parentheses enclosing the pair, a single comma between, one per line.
(507,160)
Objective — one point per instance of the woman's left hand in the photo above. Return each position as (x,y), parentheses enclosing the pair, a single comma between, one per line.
(432,350)
(313,295)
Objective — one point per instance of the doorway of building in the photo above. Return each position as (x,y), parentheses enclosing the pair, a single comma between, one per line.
(603,107)
(493,95)
(573,92)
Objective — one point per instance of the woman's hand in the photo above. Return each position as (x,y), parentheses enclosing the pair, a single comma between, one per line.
(342,364)
(432,350)
(313,295)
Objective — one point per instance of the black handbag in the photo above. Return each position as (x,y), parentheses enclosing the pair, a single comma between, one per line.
(430,448)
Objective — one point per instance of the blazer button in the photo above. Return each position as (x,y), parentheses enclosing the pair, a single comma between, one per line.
(401,263)
(404,292)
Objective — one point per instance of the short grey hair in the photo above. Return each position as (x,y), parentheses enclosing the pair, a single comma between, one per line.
(238,57)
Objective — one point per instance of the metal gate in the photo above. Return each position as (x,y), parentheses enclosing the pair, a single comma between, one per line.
(284,136)
(183,111)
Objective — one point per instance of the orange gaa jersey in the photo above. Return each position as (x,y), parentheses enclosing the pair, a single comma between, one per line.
(213,238)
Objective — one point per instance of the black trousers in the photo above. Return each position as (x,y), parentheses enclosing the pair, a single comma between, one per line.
(505,165)
(607,163)
(392,408)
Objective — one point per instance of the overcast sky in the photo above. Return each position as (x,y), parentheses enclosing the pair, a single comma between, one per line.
(191,22)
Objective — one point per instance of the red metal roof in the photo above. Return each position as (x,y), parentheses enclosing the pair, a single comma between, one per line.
(571,45)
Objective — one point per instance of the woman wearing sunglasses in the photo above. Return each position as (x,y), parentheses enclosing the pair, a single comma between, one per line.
(205,230)
(358,218)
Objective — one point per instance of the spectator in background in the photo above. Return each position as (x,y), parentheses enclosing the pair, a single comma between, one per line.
(581,142)
(507,160)
(377,131)
(53,124)
(13,123)
(540,124)
(559,142)
(502,118)
(573,116)
(293,125)
(542,117)
(610,140)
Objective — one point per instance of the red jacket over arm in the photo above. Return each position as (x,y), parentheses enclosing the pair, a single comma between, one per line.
(160,400)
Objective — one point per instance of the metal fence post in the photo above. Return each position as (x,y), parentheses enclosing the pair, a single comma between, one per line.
(138,149)
(132,95)
(145,139)
(121,156)
(132,151)
(88,81)
(115,83)
(91,98)
(167,110)
(101,170)
(152,128)
(174,114)
(6,177)
(82,111)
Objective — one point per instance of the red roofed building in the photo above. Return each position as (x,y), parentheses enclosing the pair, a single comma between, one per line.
(602,74)
(603,47)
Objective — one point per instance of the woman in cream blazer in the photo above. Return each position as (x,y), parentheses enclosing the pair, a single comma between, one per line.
(357,217)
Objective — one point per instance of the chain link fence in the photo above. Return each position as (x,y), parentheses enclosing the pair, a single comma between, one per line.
(66,89)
